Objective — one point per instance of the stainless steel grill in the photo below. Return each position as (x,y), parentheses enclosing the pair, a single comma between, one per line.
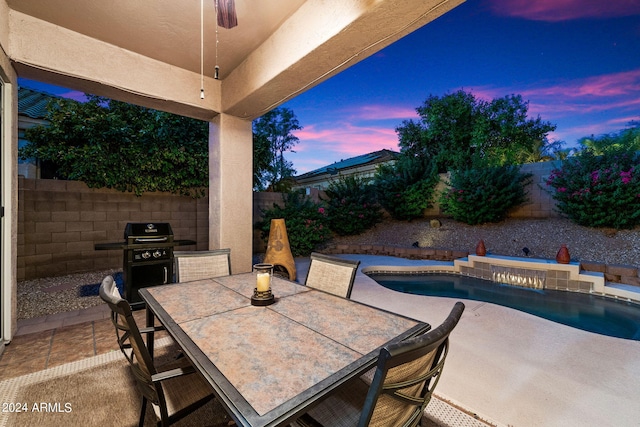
(147,257)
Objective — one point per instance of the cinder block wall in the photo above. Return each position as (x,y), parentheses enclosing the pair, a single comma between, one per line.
(540,204)
(59,222)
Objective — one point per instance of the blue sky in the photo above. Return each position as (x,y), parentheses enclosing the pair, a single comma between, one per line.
(577,63)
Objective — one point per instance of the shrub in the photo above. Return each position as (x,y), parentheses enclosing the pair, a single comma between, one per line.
(599,191)
(406,188)
(477,196)
(351,207)
(306,222)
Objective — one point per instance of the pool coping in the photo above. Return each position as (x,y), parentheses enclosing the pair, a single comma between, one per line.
(564,277)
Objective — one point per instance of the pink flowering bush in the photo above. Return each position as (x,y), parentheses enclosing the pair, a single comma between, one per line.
(599,191)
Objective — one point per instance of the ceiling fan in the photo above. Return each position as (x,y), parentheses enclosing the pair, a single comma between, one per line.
(226,18)
(227,13)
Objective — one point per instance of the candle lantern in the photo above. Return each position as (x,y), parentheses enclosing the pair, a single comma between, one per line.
(262,294)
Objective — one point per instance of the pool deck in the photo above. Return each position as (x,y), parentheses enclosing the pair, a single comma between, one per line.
(508,367)
(516,369)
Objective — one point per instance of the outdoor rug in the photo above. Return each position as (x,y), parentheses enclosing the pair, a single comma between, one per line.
(94,289)
(101,391)
(98,391)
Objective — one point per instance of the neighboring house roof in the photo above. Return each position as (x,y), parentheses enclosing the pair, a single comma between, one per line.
(33,103)
(353,162)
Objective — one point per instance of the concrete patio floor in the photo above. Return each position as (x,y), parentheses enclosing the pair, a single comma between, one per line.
(517,369)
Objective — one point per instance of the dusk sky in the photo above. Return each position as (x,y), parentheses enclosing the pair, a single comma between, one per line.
(577,62)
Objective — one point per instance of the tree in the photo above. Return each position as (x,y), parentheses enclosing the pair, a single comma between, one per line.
(272,138)
(625,140)
(112,144)
(460,132)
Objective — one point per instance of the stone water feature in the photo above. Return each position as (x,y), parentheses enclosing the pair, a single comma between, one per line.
(522,277)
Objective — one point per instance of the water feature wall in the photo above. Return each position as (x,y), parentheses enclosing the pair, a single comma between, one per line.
(522,277)
(531,273)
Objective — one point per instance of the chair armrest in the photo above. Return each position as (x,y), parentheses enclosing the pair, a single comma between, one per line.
(172,373)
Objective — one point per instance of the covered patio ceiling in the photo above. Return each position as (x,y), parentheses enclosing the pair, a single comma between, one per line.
(149,52)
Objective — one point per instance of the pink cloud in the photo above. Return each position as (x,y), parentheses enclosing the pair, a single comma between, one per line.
(616,84)
(564,10)
(617,91)
(74,94)
(345,139)
(382,112)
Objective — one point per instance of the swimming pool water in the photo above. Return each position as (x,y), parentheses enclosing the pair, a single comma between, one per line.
(591,313)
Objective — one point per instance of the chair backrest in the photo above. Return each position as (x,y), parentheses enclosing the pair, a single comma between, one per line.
(130,340)
(332,274)
(406,376)
(197,265)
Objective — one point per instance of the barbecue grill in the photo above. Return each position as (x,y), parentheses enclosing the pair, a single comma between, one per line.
(147,257)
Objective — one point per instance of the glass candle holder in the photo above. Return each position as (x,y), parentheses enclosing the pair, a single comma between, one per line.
(262,294)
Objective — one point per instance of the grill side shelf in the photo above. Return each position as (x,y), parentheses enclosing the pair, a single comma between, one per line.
(125,245)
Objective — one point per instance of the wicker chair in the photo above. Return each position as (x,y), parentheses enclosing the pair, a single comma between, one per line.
(197,265)
(332,274)
(174,389)
(402,385)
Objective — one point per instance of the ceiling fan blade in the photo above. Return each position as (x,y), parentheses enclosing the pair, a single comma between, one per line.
(227,13)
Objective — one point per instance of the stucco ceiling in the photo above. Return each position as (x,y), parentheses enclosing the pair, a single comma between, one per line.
(167,30)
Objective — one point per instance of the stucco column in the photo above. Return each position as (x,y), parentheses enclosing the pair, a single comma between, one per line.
(230,189)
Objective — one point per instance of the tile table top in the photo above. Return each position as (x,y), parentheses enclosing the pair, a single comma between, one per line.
(267,364)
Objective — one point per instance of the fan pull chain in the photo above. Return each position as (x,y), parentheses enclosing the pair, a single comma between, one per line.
(217,69)
(202,49)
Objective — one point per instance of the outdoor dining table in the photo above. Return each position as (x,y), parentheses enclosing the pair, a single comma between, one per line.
(269,364)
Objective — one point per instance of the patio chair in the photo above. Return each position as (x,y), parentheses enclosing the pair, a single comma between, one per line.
(402,385)
(197,265)
(174,389)
(331,274)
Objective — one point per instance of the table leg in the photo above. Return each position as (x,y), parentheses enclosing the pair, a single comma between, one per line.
(150,324)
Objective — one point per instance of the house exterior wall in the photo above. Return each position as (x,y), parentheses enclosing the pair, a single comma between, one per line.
(9,183)
(321,182)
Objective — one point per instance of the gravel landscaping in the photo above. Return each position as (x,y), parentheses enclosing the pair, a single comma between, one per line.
(41,297)
(542,237)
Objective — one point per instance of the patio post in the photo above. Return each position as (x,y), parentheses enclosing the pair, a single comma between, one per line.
(230,189)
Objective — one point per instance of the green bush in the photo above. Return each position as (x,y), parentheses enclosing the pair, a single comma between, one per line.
(477,196)
(406,188)
(306,222)
(351,206)
(599,191)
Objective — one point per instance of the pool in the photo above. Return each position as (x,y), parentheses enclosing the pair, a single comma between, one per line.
(592,313)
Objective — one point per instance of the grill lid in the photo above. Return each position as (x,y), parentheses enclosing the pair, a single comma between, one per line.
(146,232)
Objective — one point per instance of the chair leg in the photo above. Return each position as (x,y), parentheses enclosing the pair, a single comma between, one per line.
(142,412)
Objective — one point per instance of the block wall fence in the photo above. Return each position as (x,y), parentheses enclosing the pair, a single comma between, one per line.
(59,222)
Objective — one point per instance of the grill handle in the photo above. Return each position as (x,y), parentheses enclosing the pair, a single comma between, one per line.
(166,275)
(150,239)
